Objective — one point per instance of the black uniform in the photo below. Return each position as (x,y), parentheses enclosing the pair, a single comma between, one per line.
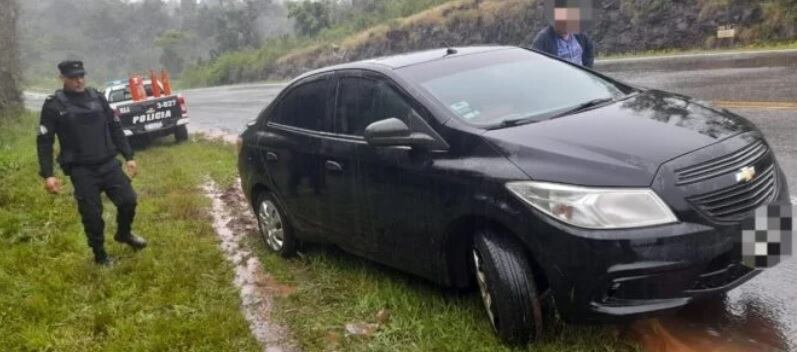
(90,138)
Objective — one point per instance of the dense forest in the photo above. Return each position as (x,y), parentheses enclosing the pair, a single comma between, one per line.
(115,37)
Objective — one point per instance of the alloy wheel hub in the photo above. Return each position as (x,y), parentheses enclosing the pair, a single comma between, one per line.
(271,225)
(481,279)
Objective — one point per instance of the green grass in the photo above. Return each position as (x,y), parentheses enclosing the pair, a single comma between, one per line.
(333,288)
(174,295)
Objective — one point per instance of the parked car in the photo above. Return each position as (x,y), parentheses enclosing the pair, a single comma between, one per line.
(516,172)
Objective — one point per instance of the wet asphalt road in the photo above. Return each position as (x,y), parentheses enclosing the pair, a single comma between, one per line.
(761,313)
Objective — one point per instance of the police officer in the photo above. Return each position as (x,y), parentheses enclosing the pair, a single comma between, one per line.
(90,137)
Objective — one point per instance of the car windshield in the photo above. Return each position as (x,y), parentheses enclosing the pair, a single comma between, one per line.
(501,87)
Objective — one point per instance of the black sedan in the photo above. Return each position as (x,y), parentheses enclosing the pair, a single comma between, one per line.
(536,180)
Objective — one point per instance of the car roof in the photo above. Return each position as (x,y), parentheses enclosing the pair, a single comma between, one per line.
(409,59)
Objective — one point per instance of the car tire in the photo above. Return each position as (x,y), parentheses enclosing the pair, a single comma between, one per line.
(181,133)
(273,225)
(506,285)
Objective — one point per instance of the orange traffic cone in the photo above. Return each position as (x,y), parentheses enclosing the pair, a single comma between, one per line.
(156,86)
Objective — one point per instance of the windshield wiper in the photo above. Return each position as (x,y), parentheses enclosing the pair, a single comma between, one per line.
(515,122)
(537,118)
(583,106)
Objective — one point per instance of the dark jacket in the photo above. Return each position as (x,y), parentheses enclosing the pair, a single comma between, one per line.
(88,131)
(546,41)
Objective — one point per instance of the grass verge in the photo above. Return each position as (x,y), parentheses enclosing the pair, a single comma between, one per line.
(174,295)
(332,289)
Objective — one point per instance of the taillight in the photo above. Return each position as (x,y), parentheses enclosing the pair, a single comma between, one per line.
(183,107)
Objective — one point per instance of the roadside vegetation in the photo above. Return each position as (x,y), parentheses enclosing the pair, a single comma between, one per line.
(626,26)
(316,23)
(177,294)
(331,289)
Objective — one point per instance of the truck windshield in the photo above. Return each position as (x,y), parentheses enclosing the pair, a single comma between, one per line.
(505,86)
(119,95)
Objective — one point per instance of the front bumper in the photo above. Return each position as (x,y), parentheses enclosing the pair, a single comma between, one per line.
(611,275)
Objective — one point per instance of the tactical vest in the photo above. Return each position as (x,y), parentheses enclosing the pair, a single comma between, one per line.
(84,132)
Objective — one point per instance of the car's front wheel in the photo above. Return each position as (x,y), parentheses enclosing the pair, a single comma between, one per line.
(507,288)
(274,227)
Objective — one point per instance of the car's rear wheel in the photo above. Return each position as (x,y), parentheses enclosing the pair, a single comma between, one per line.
(181,133)
(274,227)
(507,288)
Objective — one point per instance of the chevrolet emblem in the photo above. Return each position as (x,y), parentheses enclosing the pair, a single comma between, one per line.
(746,174)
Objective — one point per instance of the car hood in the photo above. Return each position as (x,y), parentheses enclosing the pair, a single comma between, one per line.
(621,144)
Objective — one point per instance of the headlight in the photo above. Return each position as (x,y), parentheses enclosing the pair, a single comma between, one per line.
(595,208)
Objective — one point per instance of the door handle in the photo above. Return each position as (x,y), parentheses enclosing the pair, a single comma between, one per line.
(271,156)
(333,166)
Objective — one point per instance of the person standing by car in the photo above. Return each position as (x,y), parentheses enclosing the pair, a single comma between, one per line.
(564,38)
(90,138)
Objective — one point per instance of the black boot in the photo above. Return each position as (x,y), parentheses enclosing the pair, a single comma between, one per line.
(101,257)
(131,240)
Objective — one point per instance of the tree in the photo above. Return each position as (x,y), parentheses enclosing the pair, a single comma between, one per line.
(311,16)
(172,42)
(236,26)
(9,55)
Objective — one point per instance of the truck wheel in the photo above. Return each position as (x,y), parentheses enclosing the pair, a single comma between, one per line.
(181,133)
(274,227)
(507,288)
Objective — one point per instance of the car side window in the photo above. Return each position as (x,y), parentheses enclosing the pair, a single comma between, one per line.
(362,101)
(304,106)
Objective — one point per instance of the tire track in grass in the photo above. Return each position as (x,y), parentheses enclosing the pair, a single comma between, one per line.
(256,288)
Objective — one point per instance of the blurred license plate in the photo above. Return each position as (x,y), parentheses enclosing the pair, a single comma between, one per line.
(153,126)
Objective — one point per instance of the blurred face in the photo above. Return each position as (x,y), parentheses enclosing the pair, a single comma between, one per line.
(567,20)
(74,84)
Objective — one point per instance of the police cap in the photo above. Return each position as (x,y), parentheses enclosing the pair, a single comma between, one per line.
(71,68)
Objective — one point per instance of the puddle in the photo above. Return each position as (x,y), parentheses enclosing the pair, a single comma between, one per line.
(736,324)
(232,222)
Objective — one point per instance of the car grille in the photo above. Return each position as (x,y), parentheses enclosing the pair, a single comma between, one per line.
(734,203)
(722,165)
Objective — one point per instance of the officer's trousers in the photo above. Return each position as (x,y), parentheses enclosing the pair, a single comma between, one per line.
(89,182)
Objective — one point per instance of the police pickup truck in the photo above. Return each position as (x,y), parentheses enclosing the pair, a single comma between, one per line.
(152,116)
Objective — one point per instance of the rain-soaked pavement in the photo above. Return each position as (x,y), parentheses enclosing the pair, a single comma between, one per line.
(761,315)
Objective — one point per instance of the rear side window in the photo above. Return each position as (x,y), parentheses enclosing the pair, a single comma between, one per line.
(119,95)
(304,106)
(363,101)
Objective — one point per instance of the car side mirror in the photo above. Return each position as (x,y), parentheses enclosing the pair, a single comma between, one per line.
(394,132)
